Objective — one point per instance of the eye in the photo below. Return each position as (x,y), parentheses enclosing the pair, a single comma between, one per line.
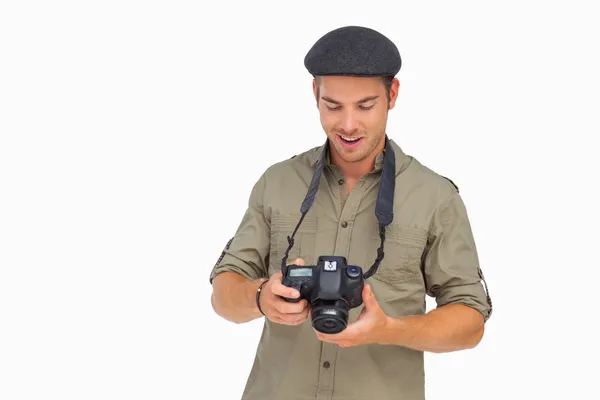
(333,108)
(365,108)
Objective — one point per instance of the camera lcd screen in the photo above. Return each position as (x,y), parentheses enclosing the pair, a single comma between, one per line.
(301,272)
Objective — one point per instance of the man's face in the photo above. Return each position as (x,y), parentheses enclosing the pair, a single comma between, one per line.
(353,113)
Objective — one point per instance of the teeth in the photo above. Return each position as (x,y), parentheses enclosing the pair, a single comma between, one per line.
(350,139)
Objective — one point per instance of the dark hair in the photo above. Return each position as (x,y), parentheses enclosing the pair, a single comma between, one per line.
(386,80)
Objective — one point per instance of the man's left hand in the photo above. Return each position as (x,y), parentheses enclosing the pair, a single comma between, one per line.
(368,328)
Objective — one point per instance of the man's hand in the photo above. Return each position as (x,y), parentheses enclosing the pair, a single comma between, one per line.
(367,329)
(277,309)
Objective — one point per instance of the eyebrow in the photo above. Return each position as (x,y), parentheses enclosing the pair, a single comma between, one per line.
(364,100)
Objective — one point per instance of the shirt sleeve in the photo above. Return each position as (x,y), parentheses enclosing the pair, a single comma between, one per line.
(247,252)
(452,269)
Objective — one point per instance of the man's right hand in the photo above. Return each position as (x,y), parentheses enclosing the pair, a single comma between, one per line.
(276,308)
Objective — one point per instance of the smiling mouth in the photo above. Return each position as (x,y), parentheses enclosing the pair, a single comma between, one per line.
(350,140)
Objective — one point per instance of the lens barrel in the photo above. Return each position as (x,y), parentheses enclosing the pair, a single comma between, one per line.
(330,317)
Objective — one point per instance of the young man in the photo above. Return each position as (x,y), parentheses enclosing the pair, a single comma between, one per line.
(429,248)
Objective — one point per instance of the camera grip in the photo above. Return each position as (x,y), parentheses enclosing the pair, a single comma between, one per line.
(292,284)
(291,300)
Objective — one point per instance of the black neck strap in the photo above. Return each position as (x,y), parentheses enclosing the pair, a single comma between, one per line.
(384,207)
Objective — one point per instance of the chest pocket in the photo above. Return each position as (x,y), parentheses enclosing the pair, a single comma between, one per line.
(403,248)
(282,226)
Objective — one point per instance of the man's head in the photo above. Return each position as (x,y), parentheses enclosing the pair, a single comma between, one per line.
(355,87)
(355,108)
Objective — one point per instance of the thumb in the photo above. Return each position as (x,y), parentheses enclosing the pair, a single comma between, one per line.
(277,277)
(369,298)
(299,261)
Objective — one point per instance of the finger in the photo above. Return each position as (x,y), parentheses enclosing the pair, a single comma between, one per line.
(292,319)
(331,338)
(336,340)
(295,322)
(276,277)
(285,307)
(279,289)
(299,261)
(348,334)
(368,298)
(327,338)
(365,291)
(279,320)
(295,319)
(334,336)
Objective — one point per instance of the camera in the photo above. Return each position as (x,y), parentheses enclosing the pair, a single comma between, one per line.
(332,288)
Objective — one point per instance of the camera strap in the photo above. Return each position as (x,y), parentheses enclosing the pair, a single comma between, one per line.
(384,207)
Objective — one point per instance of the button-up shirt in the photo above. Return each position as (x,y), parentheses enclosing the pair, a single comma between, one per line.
(429,250)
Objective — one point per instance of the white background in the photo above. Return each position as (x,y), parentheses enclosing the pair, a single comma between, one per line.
(132,133)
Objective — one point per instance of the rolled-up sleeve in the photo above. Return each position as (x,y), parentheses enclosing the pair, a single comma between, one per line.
(247,252)
(451,264)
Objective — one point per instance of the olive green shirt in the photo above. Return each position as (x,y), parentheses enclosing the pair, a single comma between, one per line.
(429,250)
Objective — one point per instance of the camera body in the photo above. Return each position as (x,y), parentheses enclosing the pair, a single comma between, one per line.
(331,287)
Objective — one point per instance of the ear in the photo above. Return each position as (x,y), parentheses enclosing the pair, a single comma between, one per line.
(394,93)
(315,90)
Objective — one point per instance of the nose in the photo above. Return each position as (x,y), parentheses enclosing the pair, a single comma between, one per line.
(348,124)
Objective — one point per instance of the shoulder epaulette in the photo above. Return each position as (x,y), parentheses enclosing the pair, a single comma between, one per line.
(453,184)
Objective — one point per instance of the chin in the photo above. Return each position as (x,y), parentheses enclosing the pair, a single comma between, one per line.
(351,156)
(354,157)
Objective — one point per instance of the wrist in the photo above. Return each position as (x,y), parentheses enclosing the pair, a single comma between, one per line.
(388,331)
(250,296)
(258,295)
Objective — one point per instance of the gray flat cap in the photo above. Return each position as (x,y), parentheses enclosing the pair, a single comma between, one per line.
(353,51)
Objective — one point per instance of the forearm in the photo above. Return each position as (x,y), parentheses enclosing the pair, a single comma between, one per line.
(444,329)
(234,297)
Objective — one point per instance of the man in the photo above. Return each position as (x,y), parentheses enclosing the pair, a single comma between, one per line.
(428,247)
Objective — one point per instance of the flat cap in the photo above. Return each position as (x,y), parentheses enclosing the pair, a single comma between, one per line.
(353,51)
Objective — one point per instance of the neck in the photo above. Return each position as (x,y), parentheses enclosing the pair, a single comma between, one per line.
(353,171)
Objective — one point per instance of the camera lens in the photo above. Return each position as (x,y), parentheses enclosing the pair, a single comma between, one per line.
(330,316)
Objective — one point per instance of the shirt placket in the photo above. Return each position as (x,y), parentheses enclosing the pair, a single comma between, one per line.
(349,205)
(326,371)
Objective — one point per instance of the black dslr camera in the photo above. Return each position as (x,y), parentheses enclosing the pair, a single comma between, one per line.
(332,287)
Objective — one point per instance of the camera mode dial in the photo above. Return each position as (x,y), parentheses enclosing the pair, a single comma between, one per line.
(353,272)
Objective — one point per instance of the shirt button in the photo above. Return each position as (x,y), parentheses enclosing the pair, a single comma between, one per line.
(326,364)
(344,224)
(341,181)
